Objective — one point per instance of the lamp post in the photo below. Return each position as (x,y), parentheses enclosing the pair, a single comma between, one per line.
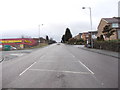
(90,23)
(39,31)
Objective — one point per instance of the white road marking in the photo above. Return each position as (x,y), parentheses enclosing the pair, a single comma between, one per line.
(45,70)
(16,54)
(27,69)
(47,61)
(102,83)
(86,67)
(83,65)
(54,61)
(72,55)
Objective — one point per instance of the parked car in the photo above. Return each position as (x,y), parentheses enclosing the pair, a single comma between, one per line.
(88,46)
(13,48)
(58,43)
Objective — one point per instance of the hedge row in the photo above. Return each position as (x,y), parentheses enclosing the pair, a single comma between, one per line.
(108,45)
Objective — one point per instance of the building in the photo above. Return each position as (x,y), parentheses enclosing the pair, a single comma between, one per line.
(114,23)
(19,43)
(79,36)
(93,33)
(85,36)
(41,39)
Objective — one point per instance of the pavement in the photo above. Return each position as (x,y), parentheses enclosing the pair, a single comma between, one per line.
(9,55)
(100,51)
(61,66)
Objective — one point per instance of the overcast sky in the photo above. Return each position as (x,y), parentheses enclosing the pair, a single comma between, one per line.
(22,17)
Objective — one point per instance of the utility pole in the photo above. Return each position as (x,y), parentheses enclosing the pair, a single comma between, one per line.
(90,24)
(39,32)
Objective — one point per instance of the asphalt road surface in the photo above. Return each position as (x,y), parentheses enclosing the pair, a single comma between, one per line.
(60,66)
(0,76)
(8,55)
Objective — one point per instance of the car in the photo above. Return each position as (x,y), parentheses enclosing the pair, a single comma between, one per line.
(58,43)
(13,48)
(88,46)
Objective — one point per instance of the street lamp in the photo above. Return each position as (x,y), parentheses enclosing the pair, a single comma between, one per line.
(39,32)
(90,23)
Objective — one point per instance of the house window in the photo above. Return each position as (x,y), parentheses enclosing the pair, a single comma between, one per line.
(115,25)
(94,36)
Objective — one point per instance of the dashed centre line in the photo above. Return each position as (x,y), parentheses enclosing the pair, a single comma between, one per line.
(46,70)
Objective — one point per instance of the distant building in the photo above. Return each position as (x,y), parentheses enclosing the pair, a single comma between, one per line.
(19,43)
(114,23)
(78,37)
(85,36)
(93,33)
(42,40)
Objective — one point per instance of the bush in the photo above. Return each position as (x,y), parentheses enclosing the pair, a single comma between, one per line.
(113,45)
(76,41)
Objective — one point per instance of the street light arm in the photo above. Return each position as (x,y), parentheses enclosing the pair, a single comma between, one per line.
(83,7)
(90,15)
(86,7)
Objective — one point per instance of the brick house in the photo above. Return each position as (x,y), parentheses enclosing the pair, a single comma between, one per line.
(93,33)
(79,36)
(85,36)
(114,23)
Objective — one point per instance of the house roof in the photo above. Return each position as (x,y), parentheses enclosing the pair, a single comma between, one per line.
(112,20)
(93,32)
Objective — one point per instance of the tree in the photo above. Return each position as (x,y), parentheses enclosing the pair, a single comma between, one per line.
(63,38)
(68,34)
(72,41)
(101,38)
(80,40)
(108,31)
(47,38)
(51,41)
(98,38)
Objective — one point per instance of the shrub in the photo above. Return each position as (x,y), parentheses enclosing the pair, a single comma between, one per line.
(76,41)
(112,45)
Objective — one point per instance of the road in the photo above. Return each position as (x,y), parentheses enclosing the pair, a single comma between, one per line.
(0,76)
(60,66)
(8,55)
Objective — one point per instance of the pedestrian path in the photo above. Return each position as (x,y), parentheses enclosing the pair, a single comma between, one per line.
(104,52)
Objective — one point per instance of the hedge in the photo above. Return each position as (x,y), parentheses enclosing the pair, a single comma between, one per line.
(108,45)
